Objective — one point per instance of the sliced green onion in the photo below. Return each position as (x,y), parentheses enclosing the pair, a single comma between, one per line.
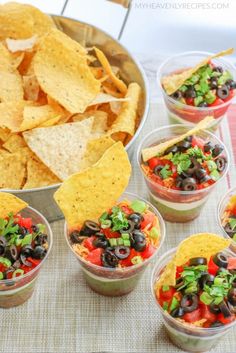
(198,100)
(27,240)
(106,224)
(219,281)
(232,222)
(215,175)
(125,236)
(136,260)
(138,206)
(218,300)
(192,288)
(5,261)
(120,241)
(234,237)
(17,272)
(18,241)
(206,298)
(154,233)
(211,165)
(113,241)
(174,304)
(165,306)
(210,97)
(1,275)
(103,217)
(165,288)
(127,242)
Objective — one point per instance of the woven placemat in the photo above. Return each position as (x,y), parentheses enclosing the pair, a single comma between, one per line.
(65,316)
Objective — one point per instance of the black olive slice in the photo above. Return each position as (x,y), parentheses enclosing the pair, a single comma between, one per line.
(216,324)
(205,179)
(39,252)
(122,252)
(3,241)
(189,184)
(190,92)
(177,312)
(2,250)
(203,104)
(195,261)
(232,296)
(157,169)
(138,240)
(213,83)
(101,242)
(208,146)
(217,150)
(223,92)
(109,259)
(189,302)
(220,260)
(27,250)
(214,308)
(176,95)
(221,163)
(200,173)
(183,145)
(74,236)
(225,309)
(206,278)
(25,261)
(129,228)
(229,230)
(178,182)
(89,228)
(231,84)
(14,252)
(136,218)
(218,69)
(172,149)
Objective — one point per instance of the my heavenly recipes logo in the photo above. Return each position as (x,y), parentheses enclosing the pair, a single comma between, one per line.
(181,5)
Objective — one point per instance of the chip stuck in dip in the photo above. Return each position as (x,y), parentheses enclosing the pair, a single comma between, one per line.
(25,242)
(194,286)
(51,110)
(113,235)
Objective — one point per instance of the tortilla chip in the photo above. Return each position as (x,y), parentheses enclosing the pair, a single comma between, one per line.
(125,121)
(3,153)
(107,98)
(68,81)
(38,175)
(19,21)
(4,134)
(121,86)
(14,143)
(153,151)
(167,277)
(95,150)
(15,45)
(60,147)
(8,61)
(11,88)
(31,88)
(10,204)
(200,245)
(11,114)
(13,171)
(173,82)
(26,66)
(87,194)
(99,121)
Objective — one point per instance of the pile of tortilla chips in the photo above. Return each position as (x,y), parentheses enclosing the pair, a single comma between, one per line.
(61,105)
(197,245)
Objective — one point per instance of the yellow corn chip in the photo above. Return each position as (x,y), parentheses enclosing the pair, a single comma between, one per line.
(99,121)
(173,82)
(31,88)
(11,114)
(14,143)
(15,45)
(10,204)
(87,194)
(11,88)
(69,80)
(153,151)
(3,153)
(13,171)
(4,134)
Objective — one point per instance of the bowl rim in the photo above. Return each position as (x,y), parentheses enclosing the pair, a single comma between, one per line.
(49,233)
(183,105)
(146,95)
(128,268)
(182,192)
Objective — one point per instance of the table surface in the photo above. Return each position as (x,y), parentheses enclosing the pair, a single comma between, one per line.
(65,316)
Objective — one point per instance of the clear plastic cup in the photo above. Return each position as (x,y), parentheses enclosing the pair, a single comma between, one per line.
(14,292)
(221,208)
(186,337)
(117,281)
(180,113)
(176,205)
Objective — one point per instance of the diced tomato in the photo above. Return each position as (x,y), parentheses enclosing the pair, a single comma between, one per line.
(230,96)
(225,320)
(35,262)
(2,267)
(148,252)
(189,101)
(148,219)
(110,234)
(217,102)
(196,141)
(26,268)
(212,267)
(233,211)
(95,257)
(195,315)
(231,263)
(127,262)
(153,162)
(24,222)
(88,243)
(207,314)
(9,275)
(126,210)
(179,270)
(168,294)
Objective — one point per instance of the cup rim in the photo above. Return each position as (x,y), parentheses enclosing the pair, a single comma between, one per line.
(220,205)
(182,105)
(194,329)
(128,268)
(30,273)
(183,192)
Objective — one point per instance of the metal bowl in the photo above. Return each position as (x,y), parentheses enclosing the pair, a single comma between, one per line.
(42,198)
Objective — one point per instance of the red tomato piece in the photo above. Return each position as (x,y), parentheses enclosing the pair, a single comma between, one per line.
(2,268)
(197,142)
(168,294)
(179,270)
(217,102)
(225,320)
(195,315)
(231,263)
(189,101)
(24,222)
(9,275)
(95,257)
(88,243)
(35,262)
(233,210)
(26,268)
(110,234)
(207,314)
(148,219)
(153,162)
(148,252)
(127,262)
(212,267)
(126,210)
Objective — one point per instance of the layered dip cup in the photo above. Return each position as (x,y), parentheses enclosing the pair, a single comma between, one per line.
(177,205)
(226,216)
(186,106)
(19,288)
(209,328)
(119,280)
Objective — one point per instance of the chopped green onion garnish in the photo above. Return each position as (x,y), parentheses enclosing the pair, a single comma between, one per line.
(206,298)
(165,288)
(26,240)
(125,236)
(165,306)
(219,281)
(120,241)
(198,100)
(5,261)
(232,222)
(127,242)
(215,175)
(113,241)
(138,206)
(136,260)
(210,97)
(174,304)
(211,165)
(1,275)
(192,288)
(17,272)
(154,233)
(106,223)
(234,237)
